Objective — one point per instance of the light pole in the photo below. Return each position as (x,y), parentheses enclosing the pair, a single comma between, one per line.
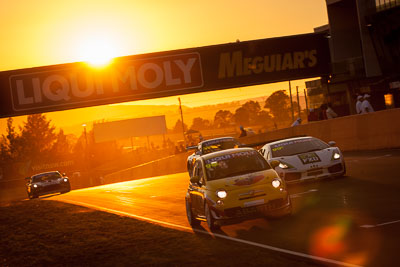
(86,167)
(291,101)
(84,133)
(183,125)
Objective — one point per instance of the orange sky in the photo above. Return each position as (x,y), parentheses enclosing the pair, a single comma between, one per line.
(47,32)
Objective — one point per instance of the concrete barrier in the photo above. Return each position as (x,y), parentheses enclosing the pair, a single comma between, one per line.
(378,130)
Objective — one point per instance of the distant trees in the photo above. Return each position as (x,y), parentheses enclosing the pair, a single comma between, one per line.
(200,124)
(37,137)
(9,143)
(278,104)
(178,127)
(36,140)
(275,111)
(61,145)
(223,118)
(37,144)
(248,113)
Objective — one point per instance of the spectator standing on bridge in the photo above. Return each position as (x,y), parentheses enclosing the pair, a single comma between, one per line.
(296,122)
(330,114)
(243,132)
(313,115)
(366,106)
(359,103)
(322,112)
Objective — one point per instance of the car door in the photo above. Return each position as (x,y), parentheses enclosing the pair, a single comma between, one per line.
(198,189)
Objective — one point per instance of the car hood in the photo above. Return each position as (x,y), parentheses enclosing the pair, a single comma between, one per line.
(305,159)
(243,181)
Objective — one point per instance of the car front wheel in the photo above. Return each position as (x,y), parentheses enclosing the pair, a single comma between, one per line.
(32,196)
(67,189)
(211,222)
(192,220)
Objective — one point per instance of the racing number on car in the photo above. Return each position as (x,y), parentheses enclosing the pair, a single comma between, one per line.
(309,158)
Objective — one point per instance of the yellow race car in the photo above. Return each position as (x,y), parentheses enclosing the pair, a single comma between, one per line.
(233,185)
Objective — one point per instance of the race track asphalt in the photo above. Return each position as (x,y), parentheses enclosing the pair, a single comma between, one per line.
(351,220)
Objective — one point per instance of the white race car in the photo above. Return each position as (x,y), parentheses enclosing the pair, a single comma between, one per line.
(301,158)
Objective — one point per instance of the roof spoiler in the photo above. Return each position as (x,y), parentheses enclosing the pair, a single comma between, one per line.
(191,148)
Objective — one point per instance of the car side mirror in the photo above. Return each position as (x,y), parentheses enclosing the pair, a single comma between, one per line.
(63,174)
(274,163)
(332,143)
(194,179)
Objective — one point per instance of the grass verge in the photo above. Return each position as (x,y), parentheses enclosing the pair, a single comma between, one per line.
(50,233)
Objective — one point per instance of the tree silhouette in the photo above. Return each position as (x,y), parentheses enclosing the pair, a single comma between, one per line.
(61,146)
(37,137)
(264,117)
(278,105)
(178,127)
(10,143)
(200,124)
(248,113)
(223,118)
(241,116)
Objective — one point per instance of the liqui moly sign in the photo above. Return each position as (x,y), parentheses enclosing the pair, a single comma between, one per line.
(141,77)
(185,71)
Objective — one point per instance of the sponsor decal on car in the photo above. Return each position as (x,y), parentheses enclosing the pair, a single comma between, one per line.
(280,146)
(229,156)
(309,158)
(248,180)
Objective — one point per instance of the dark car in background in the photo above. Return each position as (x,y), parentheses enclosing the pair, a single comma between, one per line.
(47,183)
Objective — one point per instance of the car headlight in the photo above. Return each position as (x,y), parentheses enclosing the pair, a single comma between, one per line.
(221,193)
(35,185)
(65,180)
(276,183)
(284,165)
(335,156)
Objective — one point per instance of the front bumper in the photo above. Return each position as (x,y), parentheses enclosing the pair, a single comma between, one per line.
(332,170)
(49,189)
(274,208)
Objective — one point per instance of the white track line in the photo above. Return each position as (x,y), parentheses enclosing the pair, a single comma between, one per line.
(378,157)
(302,193)
(189,229)
(377,225)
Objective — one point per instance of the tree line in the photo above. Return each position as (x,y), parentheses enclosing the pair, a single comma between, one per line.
(37,141)
(276,110)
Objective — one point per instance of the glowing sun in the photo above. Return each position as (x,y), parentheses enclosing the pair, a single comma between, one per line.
(98,51)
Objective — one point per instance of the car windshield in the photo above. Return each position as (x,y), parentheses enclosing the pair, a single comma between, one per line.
(218,145)
(46,176)
(233,164)
(295,147)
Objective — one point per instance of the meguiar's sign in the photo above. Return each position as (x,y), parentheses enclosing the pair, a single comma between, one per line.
(146,76)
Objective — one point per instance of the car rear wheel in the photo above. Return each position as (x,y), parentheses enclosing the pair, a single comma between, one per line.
(211,222)
(192,220)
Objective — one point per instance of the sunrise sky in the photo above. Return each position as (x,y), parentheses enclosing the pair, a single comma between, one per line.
(47,32)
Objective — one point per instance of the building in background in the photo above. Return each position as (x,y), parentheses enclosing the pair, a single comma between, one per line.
(364,40)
